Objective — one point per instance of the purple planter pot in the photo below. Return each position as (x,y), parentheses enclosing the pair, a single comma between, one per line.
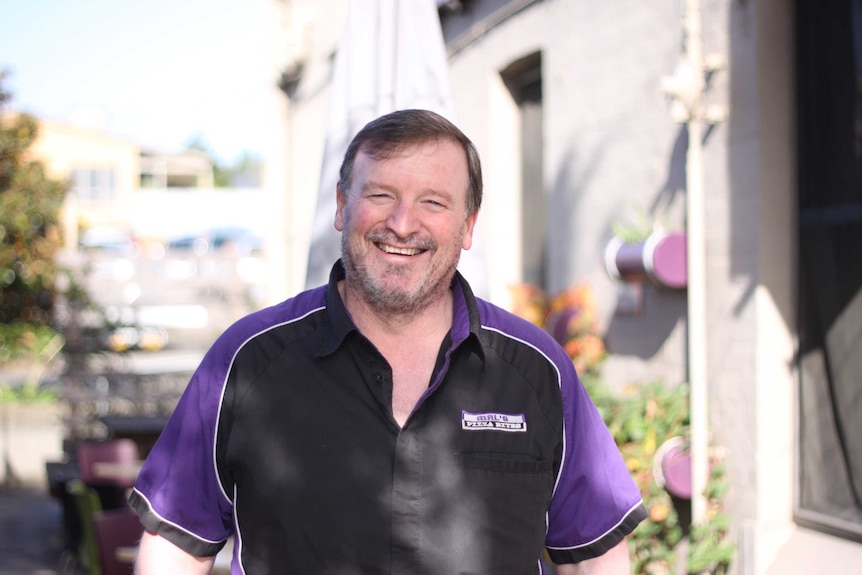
(660,259)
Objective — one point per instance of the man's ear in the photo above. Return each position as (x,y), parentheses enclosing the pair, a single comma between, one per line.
(469,224)
(340,201)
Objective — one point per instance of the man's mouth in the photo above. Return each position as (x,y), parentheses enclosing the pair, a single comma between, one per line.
(399,251)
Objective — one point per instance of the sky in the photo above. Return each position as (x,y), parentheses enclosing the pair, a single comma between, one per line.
(161,73)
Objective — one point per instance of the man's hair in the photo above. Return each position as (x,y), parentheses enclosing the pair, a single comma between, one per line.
(392,133)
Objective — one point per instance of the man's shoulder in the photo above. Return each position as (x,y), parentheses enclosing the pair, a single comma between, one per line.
(498,322)
(296,311)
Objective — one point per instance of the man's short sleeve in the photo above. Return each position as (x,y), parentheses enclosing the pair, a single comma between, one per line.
(178,493)
(596,502)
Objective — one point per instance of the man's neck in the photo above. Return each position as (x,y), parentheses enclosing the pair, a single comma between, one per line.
(410,343)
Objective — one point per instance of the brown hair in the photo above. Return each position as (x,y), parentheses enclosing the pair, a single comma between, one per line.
(389,134)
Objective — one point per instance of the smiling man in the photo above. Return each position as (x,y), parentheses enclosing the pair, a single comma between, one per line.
(390,421)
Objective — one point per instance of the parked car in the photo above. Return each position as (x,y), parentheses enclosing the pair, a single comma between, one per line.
(239,241)
(109,240)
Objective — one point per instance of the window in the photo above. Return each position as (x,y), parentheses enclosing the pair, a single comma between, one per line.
(94,185)
(829,76)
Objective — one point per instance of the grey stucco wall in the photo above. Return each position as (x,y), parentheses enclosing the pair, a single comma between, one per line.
(612,153)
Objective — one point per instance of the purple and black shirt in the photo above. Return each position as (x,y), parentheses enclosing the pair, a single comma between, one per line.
(285,440)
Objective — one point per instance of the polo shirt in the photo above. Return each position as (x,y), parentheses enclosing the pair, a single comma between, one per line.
(285,439)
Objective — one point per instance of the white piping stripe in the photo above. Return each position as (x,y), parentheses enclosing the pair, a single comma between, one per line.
(588,543)
(172,524)
(224,388)
(560,385)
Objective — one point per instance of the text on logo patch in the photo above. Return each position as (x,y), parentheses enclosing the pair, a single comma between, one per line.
(493,421)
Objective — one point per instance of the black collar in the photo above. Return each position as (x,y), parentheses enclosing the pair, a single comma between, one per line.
(465,328)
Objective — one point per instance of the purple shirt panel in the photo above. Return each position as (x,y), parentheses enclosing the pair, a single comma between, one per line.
(179,478)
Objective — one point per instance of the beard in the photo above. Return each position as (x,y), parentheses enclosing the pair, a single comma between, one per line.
(388,289)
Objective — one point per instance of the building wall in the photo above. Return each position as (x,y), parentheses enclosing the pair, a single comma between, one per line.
(307,33)
(731,174)
(611,149)
(64,148)
(755,279)
(612,154)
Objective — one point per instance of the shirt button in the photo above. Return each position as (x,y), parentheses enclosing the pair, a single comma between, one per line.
(380,378)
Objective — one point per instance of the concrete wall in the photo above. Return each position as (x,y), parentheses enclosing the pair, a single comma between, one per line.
(755,279)
(30,435)
(307,32)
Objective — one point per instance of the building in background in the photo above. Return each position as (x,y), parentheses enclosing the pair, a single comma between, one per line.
(106,174)
(103,172)
(568,102)
(156,244)
(187,169)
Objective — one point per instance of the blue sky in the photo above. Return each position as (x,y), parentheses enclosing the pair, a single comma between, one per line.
(160,72)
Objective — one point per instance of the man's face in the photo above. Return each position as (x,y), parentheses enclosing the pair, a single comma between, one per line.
(404,222)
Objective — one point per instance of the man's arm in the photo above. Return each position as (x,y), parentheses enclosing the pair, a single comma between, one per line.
(615,562)
(158,556)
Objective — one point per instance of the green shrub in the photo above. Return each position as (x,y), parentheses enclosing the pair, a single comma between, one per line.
(25,342)
(641,418)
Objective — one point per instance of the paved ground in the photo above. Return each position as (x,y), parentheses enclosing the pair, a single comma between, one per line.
(31,532)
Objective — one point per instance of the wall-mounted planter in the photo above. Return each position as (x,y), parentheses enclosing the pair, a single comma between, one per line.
(672,467)
(660,259)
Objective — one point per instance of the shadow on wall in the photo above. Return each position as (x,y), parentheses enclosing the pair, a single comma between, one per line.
(675,183)
(660,309)
(566,243)
(642,335)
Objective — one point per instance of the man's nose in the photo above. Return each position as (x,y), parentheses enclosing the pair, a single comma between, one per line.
(403,219)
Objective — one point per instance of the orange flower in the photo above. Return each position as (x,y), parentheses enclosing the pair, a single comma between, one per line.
(529,302)
(570,318)
(659,512)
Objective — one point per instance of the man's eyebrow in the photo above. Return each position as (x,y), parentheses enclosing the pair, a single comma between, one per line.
(443,194)
(371,185)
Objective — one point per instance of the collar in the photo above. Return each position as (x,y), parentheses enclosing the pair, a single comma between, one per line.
(339,323)
(465,313)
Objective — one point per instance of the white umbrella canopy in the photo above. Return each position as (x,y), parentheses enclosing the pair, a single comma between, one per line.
(391,56)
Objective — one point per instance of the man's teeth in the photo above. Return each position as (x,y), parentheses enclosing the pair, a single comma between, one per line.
(400,251)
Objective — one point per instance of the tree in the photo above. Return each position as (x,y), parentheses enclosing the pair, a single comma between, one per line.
(30,204)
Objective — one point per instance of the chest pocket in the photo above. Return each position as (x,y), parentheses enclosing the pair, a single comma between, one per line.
(493,507)
(495,463)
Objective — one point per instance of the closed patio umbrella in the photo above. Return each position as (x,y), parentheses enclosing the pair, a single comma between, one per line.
(391,56)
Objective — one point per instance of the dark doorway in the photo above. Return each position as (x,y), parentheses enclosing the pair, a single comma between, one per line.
(523,78)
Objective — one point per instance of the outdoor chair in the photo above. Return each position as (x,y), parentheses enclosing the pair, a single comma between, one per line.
(87,504)
(112,491)
(114,529)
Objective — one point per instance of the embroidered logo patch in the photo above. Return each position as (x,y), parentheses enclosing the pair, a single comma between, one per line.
(493,421)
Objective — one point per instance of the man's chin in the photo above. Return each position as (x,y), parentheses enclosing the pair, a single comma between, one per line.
(394,296)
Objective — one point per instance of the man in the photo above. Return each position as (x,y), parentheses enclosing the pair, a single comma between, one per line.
(389,422)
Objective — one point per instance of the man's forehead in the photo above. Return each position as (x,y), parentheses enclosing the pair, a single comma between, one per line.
(452,162)
(377,151)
